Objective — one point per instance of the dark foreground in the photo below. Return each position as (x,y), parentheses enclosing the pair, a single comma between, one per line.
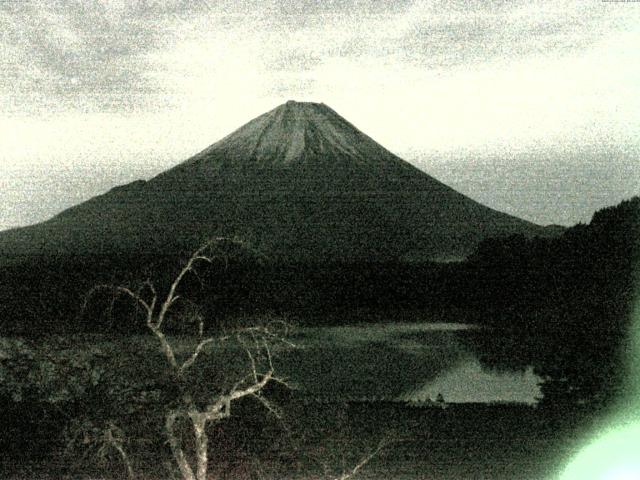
(323,441)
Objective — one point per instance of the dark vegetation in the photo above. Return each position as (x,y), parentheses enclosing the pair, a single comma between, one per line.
(319,441)
(561,305)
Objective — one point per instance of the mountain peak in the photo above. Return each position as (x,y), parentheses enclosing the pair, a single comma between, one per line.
(296,133)
(297,103)
(311,112)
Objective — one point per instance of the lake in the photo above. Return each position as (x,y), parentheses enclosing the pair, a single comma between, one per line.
(410,362)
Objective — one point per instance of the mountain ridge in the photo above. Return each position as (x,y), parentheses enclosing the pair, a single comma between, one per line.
(300,180)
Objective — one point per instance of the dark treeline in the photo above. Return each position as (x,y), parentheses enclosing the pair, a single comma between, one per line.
(564,305)
(48,297)
(506,283)
(51,297)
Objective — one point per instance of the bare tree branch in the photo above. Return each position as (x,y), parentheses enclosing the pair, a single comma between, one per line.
(165,347)
(171,296)
(250,355)
(234,395)
(119,290)
(365,460)
(284,382)
(194,356)
(268,405)
(115,442)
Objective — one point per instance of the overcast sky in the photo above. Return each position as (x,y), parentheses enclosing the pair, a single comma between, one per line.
(532,108)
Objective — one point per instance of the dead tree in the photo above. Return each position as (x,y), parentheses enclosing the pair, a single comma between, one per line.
(257,342)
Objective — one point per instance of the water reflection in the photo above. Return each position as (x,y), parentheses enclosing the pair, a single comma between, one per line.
(401,362)
(471,382)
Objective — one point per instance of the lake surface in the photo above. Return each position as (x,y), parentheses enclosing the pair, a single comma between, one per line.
(411,362)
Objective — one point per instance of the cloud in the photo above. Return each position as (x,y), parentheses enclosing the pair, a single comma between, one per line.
(127,56)
(293,60)
(83,55)
(449,34)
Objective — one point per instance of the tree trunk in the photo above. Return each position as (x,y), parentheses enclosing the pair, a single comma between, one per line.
(199,423)
(178,454)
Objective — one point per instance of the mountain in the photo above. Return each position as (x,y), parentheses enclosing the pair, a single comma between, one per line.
(298,182)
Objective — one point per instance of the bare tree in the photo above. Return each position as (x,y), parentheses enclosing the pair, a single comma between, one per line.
(257,342)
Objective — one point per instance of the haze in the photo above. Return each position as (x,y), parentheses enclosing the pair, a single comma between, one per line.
(531,108)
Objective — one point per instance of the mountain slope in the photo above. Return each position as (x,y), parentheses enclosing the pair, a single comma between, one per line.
(299,182)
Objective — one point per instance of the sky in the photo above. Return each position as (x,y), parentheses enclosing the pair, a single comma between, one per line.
(532,108)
